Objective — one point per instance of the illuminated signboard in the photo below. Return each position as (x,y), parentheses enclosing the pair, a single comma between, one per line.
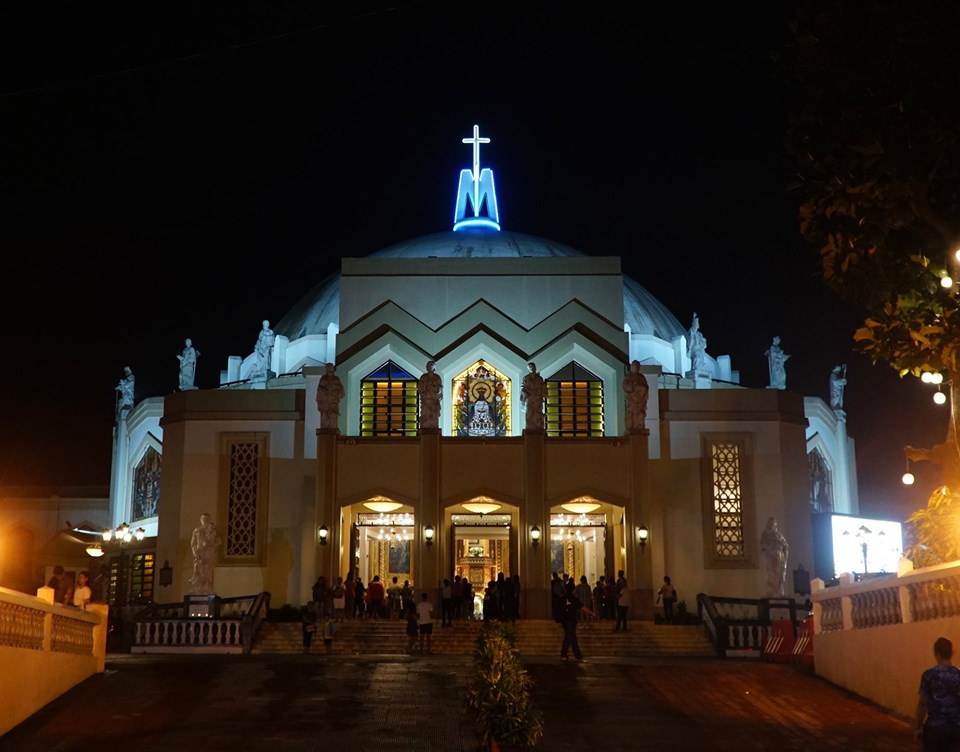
(865,546)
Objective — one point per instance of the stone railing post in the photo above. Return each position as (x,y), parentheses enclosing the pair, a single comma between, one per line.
(816,585)
(846,602)
(905,566)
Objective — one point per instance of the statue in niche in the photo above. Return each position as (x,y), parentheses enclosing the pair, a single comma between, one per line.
(262,352)
(533,391)
(637,390)
(204,544)
(125,393)
(838,380)
(188,365)
(329,393)
(697,348)
(774,548)
(777,360)
(430,389)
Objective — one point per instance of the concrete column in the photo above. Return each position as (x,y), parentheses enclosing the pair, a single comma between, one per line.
(327,509)
(428,569)
(534,560)
(639,511)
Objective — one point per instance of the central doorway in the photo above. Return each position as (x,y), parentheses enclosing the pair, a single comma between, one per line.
(481,550)
(578,544)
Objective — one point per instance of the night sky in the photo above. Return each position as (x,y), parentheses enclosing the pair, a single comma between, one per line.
(188,173)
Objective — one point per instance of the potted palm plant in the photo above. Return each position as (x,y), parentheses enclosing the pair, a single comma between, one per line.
(499,693)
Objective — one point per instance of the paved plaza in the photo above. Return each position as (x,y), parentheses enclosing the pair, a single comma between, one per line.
(416,704)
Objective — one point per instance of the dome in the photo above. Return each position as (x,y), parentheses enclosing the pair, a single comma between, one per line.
(315,311)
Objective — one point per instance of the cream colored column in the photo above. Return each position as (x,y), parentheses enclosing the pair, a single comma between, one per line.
(639,512)
(327,509)
(534,560)
(429,571)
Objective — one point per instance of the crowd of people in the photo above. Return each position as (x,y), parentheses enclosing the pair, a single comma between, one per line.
(608,599)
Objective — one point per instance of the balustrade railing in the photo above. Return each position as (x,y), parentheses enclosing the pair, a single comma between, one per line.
(907,596)
(229,626)
(741,626)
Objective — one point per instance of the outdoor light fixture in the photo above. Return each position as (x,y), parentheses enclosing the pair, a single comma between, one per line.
(428,534)
(480,507)
(907,478)
(123,534)
(642,535)
(94,550)
(382,505)
(946,281)
(939,397)
(581,507)
(323,532)
(535,536)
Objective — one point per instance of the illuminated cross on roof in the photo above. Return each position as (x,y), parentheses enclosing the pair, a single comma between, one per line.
(476,188)
(476,141)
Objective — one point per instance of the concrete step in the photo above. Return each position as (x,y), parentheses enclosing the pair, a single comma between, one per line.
(534,637)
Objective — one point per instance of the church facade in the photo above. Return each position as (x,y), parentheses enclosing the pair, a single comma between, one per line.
(575,488)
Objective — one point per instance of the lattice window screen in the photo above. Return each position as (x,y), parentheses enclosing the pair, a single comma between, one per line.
(727,500)
(242,497)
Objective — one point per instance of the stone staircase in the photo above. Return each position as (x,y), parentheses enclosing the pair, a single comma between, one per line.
(534,637)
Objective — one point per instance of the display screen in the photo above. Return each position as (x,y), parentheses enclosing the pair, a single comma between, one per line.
(865,546)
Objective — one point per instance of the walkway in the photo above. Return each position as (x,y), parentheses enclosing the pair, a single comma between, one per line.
(415,704)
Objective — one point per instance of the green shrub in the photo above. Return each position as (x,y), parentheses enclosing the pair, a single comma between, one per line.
(499,691)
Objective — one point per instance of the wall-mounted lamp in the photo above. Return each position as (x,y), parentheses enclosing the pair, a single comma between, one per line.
(642,535)
(428,534)
(323,533)
(535,536)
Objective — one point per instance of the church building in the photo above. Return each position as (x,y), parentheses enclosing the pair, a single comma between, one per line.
(563,475)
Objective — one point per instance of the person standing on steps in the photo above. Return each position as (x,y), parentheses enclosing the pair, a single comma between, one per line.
(669,595)
(623,603)
(425,620)
(569,615)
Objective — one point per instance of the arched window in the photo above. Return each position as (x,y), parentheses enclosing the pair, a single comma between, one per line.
(821,483)
(574,402)
(481,402)
(388,402)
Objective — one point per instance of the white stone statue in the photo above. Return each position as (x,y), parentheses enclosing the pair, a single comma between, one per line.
(188,365)
(637,390)
(262,351)
(774,548)
(329,393)
(204,544)
(430,389)
(838,380)
(533,392)
(777,359)
(697,348)
(125,393)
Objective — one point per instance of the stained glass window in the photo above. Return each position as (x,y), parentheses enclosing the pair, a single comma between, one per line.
(481,402)
(388,402)
(574,403)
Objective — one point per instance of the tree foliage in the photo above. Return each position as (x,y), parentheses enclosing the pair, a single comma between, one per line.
(875,132)
(933,530)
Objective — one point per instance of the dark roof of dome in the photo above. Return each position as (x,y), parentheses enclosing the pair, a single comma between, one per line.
(320,307)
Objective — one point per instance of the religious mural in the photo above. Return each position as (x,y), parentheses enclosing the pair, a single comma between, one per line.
(146,486)
(481,402)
